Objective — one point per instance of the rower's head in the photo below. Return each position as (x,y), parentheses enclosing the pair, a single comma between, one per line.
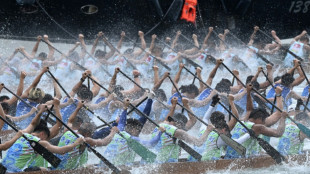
(161,95)
(77,122)
(178,120)
(190,91)
(216,117)
(100,54)
(5,107)
(248,79)
(128,51)
(133,126)
(4,98)
(87,129)
(84,93)
(287,79)
(41,130)
(304,39)
(118,91)
(223,86)
(303,118)
(277,78)
(258,116)
(36,95)
(157,51)
(74,56)
(178,48)
(46,98)
(42,56)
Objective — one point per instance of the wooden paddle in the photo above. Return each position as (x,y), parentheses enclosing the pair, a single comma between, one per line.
(266,146)
(303,128)
(47,155)
(229,141)
(102,158)
(187,148)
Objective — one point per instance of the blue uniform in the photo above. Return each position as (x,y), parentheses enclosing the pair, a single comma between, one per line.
(23,109)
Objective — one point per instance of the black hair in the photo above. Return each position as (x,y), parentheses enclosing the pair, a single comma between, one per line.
(4,97)
(160,93)
(132,123)
(259,113)
(87,129)
(277,78)
(255,85)
(100,53)
(6,107)
(287,79)
(47,98)
(42,55)
(29,169)
(42,126)
(223,86)
(157,49)
(84,93)
(249,79)
(178,48)
(128,51)
(189,89)
(216,117)
(78,120)
(180,118)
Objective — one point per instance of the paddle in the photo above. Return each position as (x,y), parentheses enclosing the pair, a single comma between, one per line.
(229,141)
(259,55)
(266,146)
(162,63)
(300,126)
(303,71)
(181,143)
(102,158)
(188,40)
(275,97)
(47,155)
(134,145)
(287,50)
(187,59)
(2,169)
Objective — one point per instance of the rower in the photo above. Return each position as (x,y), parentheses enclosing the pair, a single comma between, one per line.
(21,155)
(258,120)
(292,141)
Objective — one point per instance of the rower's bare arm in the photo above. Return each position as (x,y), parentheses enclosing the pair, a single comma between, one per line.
(103,142)
(175,40)
(83,46)
(249,103)
(111,47)
(36,120)
(213,72)
(35,82)
(154,36)
(240,95)
(256,28)
(301,77)
(177,78)
(195,48)
(35,48)
(8,144)
(192,119)
(272,119)
(51,50)
(200,103)
(22,117)
(93,49)
(201,85)
(63,149)
(205,41)
(271,132)
(102,104)
(183,135)
(174,101)
(56,128)
(270,77)
(73,48)
(79,84)
(135,88)
(120,42)
(20,89)
(300,35)
(143,45)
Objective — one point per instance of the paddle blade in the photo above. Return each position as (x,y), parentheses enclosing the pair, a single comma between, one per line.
(233,144)
(304,129)
(47,155)
(189,150)
(103,159)
(142,151)
(270,150)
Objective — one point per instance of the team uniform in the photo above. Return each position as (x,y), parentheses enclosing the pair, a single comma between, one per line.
(296,48)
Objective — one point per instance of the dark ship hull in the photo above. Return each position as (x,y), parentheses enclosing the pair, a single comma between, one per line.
(288,17)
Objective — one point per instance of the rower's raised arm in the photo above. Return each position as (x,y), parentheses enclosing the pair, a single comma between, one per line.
(213,72)
(154,36)
(35,82)
(56,128)
(143,45)
(249,103)
(136,88)
(301,77)
(20,88)
(74,114)
(297,38)
(175,40)
(196,46)
(174,101)
(120,42)
(273,118)
(93,49)
(83,46)
(111,47)
(269,76)
(192,119)
(205,41)
(256,28)
(79,84)
(96,88)
(35,48)
(51,50)
(231,124)
(177,78)
(36,120)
